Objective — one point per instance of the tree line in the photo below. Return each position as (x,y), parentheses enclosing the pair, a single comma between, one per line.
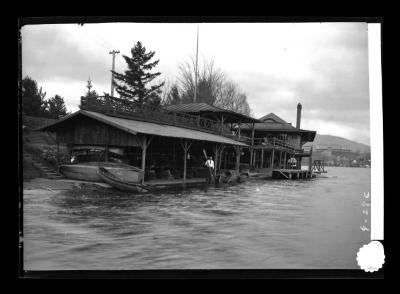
(35,104)
(141,86)
(138,85)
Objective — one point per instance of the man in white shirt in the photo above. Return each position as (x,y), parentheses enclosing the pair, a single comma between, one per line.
(210,164)
(292,163)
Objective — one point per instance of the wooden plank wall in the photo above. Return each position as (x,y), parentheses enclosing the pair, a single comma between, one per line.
(84,130)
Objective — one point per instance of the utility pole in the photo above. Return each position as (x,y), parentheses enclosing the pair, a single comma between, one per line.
(112,76)
(195,70)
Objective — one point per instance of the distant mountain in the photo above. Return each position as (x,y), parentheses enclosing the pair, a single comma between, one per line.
(338,142)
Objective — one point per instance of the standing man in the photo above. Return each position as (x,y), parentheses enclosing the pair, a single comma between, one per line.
(210,164)
(292,163)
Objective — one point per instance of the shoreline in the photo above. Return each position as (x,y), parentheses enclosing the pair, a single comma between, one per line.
(39,185)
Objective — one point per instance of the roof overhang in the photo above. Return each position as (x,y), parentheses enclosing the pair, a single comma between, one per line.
(134,127)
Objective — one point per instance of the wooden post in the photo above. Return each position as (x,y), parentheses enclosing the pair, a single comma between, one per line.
(284,163)
(299,161)
(216,160)
(184,161)
(237,159)
(185,147)
(220,157)
(262,156)
(310,159)
(239,130)
(252,147)
(144,147)
(58,156)
(225,159)
(273,155)
(280,159)
(222,124)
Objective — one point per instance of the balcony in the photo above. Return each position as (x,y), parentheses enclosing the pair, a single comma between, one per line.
(276,143)
(113,106)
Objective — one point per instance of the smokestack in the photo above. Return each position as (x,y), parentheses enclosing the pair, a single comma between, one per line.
(298,116)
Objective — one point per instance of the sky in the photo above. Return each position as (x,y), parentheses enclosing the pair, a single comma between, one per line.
(324,66)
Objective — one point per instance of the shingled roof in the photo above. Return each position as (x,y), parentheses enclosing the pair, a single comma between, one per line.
(206,109)
(272,117)
(136,126)
(274,124)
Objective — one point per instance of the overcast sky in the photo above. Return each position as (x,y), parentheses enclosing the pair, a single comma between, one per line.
(324,66)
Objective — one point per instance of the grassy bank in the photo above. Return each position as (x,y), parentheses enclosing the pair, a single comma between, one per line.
(40,148)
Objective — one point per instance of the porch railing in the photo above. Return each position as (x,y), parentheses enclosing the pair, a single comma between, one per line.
(277,143)
(120,107)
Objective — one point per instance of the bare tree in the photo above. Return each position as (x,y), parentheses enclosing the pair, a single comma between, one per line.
(213,87)
(165,91)
(232,98)
(210,81)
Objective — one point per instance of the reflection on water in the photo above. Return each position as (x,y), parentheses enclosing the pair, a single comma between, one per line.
(264,224)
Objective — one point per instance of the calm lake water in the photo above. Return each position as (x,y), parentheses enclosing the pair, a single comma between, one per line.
(258,224)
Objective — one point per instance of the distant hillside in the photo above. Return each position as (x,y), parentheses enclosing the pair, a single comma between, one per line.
(335,142)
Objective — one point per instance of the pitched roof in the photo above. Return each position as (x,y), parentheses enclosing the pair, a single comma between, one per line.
(192,107)
(272,117)
(136,126)
(205,108)
(273,123)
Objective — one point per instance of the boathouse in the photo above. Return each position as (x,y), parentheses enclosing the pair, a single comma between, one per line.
(162,142)
(274,142)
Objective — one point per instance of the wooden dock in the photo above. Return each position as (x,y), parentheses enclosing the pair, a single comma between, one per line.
(175,183)
(292,174)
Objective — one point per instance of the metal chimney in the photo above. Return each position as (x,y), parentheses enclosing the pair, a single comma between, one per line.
(298,116)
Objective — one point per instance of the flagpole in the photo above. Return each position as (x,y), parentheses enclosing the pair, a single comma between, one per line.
(195,71)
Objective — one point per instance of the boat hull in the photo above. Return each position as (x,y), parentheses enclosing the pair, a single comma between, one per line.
(89,171)
(119,179)
(81,172)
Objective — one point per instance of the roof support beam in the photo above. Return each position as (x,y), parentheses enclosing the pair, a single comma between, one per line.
(238,150)
(145,142)
(186,146)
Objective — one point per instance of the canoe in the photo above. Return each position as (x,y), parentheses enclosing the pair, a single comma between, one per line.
(88,171)
(119,180)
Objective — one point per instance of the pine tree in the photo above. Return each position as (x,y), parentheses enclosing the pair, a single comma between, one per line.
(56,107)
(90,93)
(132,85)
(33,102)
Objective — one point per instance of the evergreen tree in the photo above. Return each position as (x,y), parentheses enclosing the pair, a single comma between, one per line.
(133,84)
(173,96)
(90,93)
(33,102)
(56,107)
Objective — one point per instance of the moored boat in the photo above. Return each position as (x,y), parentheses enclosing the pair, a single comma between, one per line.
(87,171)
(126,179)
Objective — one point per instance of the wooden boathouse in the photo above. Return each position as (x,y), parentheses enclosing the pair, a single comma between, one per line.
(270,141)
(277,147)
(166,144)
(171,142)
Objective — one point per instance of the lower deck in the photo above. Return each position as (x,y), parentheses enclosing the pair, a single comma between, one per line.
(292,174)
(161,183)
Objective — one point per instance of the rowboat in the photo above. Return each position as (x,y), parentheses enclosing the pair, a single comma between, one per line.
(123,179)
(88,171)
